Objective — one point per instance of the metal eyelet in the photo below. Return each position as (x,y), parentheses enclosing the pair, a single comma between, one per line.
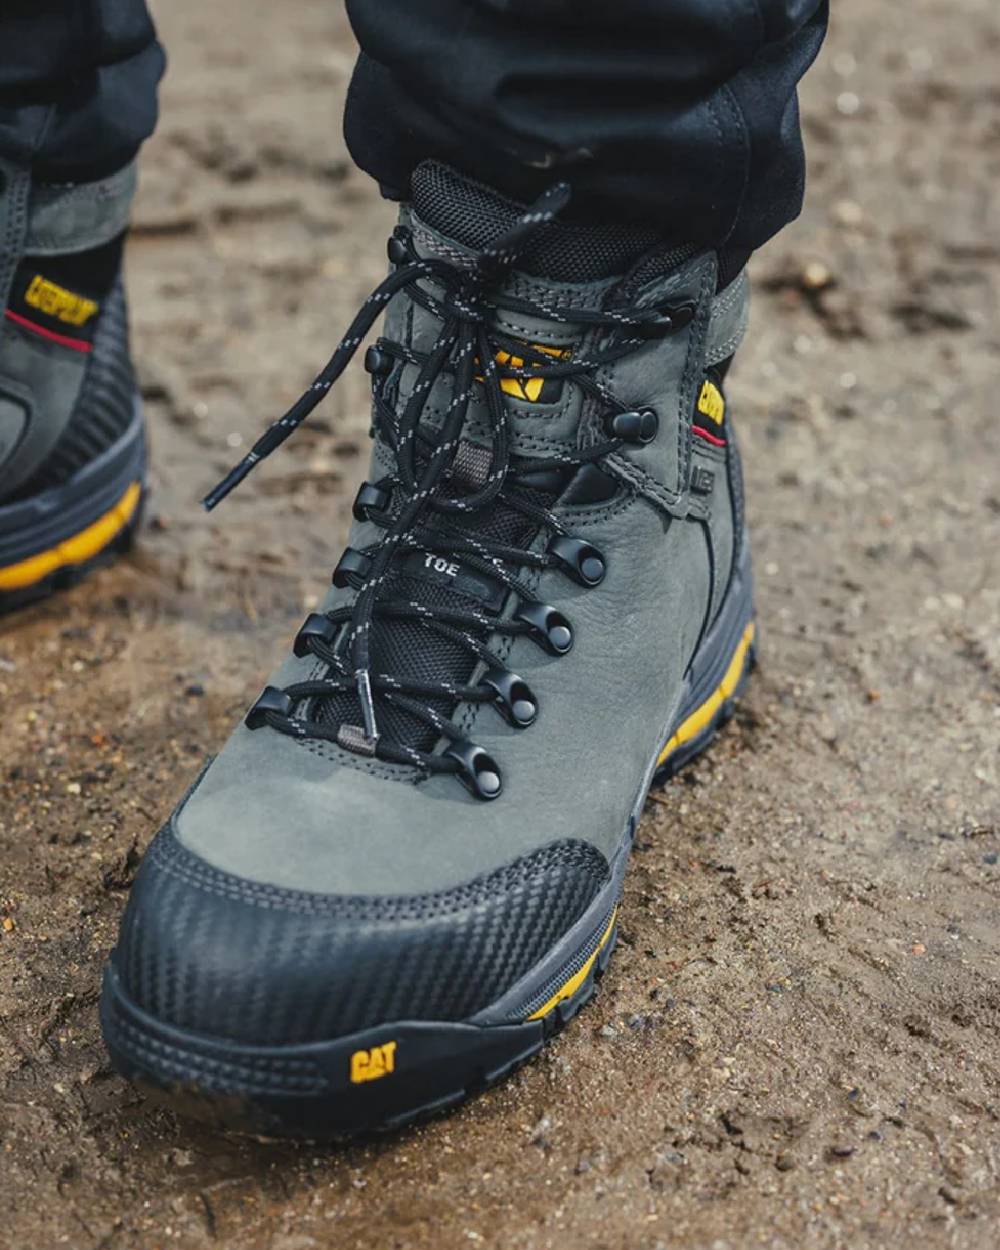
(270,699)
(640,426)
(377,362)
(580,560)
(397,250)
(514,699)
(666,322)
(352,563)
(549,628)
(315,628)
(477,769)
(369,496)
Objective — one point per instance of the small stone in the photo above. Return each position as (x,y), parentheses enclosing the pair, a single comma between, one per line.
(918,948)
(8,924)
(826,730)
(816,276)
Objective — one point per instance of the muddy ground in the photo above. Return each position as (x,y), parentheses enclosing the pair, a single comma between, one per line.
(798,1043)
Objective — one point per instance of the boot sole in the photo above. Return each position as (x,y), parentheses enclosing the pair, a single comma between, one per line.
(52,540)
(394,1074)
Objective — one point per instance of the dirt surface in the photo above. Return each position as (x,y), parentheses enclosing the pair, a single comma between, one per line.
(798,1043)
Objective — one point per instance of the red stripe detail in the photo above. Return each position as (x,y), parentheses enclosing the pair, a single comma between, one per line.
(78,345)
(709,438)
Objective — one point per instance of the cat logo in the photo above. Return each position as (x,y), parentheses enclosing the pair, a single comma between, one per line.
(54,300)
(369,1065)
(534,390)
(710,402)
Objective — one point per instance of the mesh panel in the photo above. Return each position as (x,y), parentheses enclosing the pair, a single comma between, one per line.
(474,215)
(407,649)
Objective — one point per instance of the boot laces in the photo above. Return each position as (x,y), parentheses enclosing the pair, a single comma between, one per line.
(440,480)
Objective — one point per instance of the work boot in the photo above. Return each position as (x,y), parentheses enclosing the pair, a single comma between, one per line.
(401,875)
(72,453)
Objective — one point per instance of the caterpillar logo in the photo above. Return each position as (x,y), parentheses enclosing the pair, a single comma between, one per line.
(534,390)
(54,300)
(370,1065)
(711,404)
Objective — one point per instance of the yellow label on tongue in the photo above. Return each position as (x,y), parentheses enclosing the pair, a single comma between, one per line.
(534,390)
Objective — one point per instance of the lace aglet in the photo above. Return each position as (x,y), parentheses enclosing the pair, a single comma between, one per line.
(230,481)
(364,685)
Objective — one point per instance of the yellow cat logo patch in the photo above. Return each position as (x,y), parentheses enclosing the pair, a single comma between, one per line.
(369,1065)
(711,404)
(54,300)
(535,390)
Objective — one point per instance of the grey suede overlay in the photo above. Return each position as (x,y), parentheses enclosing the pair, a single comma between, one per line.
(79,216)
(308,815)
(272,809)
(729,321)
(39,384)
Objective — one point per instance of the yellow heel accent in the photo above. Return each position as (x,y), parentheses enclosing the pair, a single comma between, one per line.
(569,988)
(702,716)
(76,550)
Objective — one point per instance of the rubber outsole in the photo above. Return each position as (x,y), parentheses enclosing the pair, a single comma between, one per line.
(50,541)
(400,1073)
(70,573)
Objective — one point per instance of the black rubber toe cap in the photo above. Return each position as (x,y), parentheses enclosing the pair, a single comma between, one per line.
(201,949)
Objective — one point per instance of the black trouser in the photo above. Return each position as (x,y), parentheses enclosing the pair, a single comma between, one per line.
(678,113)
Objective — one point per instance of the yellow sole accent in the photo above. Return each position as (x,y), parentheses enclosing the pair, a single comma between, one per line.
(76,550)
(702,716)
(569,988)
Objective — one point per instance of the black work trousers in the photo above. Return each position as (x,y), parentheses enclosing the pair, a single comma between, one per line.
(679,114)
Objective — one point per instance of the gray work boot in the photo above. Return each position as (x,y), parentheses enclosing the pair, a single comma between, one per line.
(401,875)
(72,453)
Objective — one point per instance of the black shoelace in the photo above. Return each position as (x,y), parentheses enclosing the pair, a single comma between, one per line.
(439,479)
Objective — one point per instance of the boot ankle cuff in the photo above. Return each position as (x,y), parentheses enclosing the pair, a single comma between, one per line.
(78,216)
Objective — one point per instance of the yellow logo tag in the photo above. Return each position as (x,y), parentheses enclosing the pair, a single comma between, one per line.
(531,389)
(57,302)
(711,404)
(369,1065)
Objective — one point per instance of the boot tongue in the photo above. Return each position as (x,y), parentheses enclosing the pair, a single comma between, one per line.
(476,216)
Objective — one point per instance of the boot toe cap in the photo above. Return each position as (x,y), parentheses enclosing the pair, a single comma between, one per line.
(204,950)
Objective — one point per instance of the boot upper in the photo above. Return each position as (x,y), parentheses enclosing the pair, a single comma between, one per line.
(295,852)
